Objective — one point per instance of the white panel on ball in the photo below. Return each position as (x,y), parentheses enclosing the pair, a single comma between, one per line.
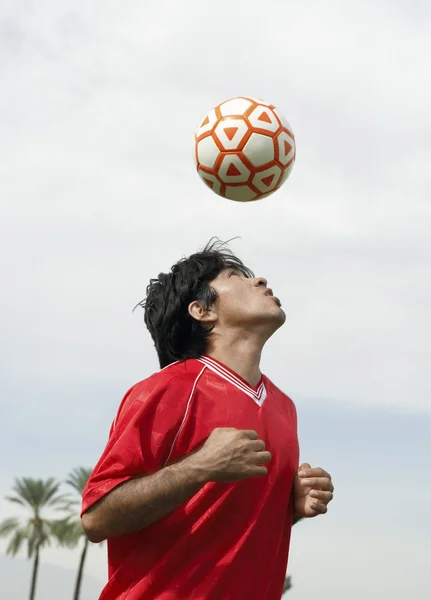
(236,106)
(241,193)
(211,181)
(286,148)
(263,118)
(207,152)
(231,132)
(265,181)
(207,123)
(233,170)
(259,149)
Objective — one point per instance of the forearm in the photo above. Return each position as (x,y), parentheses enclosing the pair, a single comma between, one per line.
(140,502)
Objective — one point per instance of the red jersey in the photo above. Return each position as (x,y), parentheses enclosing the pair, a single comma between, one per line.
(230,541)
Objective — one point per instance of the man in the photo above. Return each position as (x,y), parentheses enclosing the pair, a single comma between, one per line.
(198,486)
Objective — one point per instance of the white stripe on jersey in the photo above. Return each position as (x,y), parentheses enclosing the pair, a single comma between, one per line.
(258,395)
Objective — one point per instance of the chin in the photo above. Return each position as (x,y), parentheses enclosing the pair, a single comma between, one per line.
(275,320)
(281,316)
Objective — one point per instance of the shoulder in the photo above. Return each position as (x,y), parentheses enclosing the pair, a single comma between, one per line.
(270,386)
(177,379)
(183,373)
(171,387)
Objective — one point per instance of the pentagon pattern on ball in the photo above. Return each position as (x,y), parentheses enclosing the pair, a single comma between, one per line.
(211,181)
(233,170)
(263,118)
(266,181)
(230,133)
(207,123)
(285,148)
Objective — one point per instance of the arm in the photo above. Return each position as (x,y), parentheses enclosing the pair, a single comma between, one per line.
(227,455)
(142,501)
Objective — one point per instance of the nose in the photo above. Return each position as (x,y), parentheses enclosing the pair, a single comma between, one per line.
(261,281)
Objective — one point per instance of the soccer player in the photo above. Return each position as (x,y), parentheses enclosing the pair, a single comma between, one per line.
(198,486)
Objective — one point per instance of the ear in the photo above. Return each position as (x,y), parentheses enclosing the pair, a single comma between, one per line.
(198,312)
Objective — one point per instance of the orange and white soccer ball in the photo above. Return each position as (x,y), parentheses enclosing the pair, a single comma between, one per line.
(244,149)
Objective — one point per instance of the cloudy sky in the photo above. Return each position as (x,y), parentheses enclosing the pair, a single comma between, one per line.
(98,104)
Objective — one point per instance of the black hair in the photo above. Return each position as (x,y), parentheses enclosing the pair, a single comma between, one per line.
(176,334)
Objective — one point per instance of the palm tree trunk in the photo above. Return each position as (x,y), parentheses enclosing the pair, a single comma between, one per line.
(34,575)
(80,571)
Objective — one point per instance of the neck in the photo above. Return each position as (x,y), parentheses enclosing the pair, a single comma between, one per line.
(241,356)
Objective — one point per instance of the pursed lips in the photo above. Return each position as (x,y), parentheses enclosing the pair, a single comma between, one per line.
(269,292)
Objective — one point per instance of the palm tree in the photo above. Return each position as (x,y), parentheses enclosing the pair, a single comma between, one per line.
(287,583)
(37,531)
(73,532)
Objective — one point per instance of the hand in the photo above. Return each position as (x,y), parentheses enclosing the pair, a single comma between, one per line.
(312,491)
(231,454)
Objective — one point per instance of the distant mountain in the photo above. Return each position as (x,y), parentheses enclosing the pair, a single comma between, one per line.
(54,583)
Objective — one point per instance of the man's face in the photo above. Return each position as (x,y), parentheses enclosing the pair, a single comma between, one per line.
(246,303)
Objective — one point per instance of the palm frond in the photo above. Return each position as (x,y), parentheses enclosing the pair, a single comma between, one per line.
(51,497)
(35,493)
(78,478)
(15,543)
(16,500)
(71,506)
(57,501)
(21,489)
(67,532)
(8,525)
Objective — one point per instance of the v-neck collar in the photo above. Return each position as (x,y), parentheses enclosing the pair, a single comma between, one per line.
(258,394)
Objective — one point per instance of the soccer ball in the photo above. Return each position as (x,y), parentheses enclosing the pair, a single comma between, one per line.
(244,149)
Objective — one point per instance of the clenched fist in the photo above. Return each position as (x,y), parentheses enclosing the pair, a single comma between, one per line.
(312,491)
(231,454)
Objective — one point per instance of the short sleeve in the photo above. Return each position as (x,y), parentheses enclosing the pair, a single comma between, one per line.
(141,436)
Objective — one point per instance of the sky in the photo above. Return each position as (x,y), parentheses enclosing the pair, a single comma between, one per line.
(98,105)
